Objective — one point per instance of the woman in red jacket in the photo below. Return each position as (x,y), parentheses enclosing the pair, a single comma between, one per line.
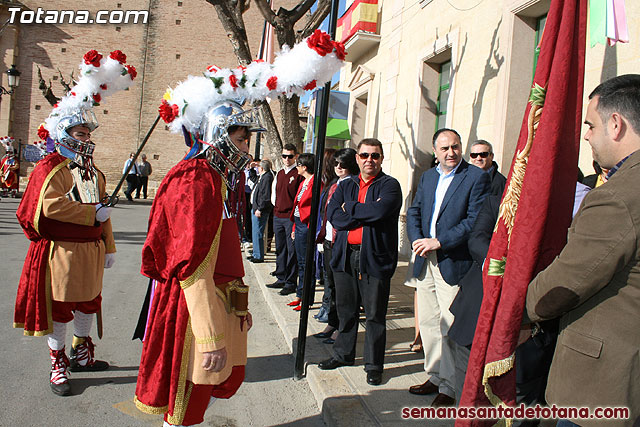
(300,216)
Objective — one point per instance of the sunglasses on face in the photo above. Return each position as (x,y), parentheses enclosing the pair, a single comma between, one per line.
(483,154)
(288,156)
(374,156)
(340,165)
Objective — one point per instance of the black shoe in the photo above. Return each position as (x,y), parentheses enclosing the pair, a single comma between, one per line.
(374,377)
(329,341)
(332,363)
(275,285)
(286,290)
(84,351)
(323,334)
(273,273)
(256,260)
(63,389)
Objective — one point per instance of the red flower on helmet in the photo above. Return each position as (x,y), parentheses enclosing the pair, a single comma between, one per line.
(213,68)
(96,98)
(310,85)
(92,58)
(259,60)
(73,93)
(233,81)
(320,42)
(43,134)
(167,111)
(103,86)
(340,52)
(132,71)
(118,56)
(272,83)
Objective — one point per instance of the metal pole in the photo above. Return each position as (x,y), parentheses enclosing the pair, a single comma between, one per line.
(309,266)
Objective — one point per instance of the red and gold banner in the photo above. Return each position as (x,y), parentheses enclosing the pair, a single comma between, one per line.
(535,212)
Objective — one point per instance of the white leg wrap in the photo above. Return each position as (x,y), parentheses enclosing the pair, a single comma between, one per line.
(56,338)
(82,324)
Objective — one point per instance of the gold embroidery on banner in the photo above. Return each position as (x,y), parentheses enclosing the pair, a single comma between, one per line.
(509,204)
(154,410)
(209,340)
(495,369)
(45,184)
(182,397)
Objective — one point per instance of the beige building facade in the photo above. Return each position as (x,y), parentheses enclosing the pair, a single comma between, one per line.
(461,64)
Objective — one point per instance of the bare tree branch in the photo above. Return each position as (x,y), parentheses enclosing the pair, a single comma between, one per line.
(64,83)
(315,19)
(46,90)
(230,14)
(300,10)
(266,11)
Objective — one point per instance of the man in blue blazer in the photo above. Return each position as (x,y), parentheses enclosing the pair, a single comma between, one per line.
(439,222)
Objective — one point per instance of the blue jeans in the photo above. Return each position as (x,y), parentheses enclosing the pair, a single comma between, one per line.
(257,234)
(300,243)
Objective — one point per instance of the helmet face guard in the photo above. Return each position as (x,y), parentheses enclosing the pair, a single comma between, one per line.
(72,148)
(223,154)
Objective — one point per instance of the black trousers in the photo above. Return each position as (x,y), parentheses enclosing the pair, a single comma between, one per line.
(329,297)
(143,183)
(132,184)
(286,262)
(353,289)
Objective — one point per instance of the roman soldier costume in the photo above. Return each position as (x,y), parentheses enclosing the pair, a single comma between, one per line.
(69,229)
(198,300)
(9,168)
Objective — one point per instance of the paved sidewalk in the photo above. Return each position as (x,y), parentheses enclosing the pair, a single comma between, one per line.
(343,394)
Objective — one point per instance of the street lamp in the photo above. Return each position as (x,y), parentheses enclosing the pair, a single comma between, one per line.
(14,80)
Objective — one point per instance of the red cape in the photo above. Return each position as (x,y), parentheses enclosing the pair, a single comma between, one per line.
(33,301)
(184,219)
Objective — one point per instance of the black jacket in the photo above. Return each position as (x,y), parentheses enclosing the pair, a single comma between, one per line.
(378,216)
(262,194)
(498,181)
(466,305)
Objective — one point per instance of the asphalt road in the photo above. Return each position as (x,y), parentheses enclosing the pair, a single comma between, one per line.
(268,397)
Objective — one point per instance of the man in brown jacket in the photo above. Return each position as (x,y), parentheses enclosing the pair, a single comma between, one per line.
(594,284)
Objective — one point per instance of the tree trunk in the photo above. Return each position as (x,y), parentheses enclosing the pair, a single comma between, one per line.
(291,131)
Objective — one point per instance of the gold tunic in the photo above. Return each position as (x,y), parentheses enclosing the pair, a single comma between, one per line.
(76,268)
(213,329)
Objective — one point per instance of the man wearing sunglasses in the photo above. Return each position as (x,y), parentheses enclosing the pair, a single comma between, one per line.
(482,156)
(283,193)
(364,210)
(439,222)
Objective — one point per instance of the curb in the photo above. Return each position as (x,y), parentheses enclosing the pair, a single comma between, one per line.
(339,401)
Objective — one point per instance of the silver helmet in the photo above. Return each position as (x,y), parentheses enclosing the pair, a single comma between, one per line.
(66,145)
(222,153)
